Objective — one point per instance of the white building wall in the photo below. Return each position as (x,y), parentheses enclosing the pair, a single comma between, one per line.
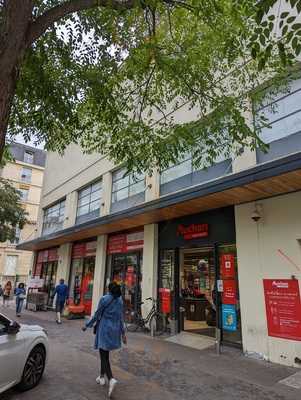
(258,259)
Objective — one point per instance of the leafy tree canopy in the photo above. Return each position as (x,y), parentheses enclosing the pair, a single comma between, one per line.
(110,75)
(12,213)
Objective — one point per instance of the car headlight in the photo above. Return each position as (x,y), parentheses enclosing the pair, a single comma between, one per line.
(44,330)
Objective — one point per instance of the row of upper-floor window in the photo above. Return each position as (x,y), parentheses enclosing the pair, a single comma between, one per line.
(282,111)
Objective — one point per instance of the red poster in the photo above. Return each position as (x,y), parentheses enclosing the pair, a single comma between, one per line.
(38,270)
(165,300)
(228,266)
(91,249)
(116,244)
(283,308)
(124,243)
(40,257)
(53,255)
(79,250)
(229,292)
(45,255)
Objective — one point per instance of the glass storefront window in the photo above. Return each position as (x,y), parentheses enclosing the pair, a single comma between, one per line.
(81,282)
(126,269)
(166,279)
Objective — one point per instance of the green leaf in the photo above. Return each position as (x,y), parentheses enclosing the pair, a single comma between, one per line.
(290,20)
(262,40)
(284,15)
(295,27)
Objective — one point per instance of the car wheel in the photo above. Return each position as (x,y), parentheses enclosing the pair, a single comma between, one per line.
(34,368)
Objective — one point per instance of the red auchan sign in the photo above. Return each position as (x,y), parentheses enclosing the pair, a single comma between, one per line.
(193,231)
(283,308)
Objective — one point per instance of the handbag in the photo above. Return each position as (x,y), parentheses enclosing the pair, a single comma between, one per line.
(22,296)
(95,327)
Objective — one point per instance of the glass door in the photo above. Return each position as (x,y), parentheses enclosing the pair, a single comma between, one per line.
(49,272)
(126,270)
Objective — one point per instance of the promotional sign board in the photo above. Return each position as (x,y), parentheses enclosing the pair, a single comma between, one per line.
(84,249)
(35,283)
(229,295)
(193,231)
(125,242)
(283,308)
(229,317)
(228,266)
(165,300)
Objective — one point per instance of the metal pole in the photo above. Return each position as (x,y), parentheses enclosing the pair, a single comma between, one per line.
(218,331)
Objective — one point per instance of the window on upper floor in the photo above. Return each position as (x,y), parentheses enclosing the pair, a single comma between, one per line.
(282,111)
(17,236)
(53,219)
(24,194)
(126,185)
(89,201)
(26,174)
(28,157)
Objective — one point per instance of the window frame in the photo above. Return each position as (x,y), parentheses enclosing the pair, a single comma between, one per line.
(61,206)
(89,196)
(131,182)
(23,190)
(23,175)
(26,159)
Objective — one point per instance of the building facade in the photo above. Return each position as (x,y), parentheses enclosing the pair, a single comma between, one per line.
(223,244)
(26,173)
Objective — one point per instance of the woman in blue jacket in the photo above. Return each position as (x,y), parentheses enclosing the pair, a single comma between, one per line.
(109,331)
(20,297)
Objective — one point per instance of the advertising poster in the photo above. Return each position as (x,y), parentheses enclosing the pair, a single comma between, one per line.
(229,295)
(283,308)
(165,300)
(229,317)
(228,266)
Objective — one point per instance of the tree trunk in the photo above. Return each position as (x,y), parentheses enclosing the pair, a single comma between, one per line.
(17,17)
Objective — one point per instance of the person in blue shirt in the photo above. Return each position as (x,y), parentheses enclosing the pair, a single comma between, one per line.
(20,297)
(109,331)
(62,294)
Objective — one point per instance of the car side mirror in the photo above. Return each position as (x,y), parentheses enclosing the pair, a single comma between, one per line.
(13,328)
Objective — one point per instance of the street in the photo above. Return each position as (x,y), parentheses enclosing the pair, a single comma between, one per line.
(149,369)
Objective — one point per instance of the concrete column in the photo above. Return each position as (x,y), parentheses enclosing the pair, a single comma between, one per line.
(152,186)
(70,209)
(100,270)
(64,263)
(150,266)
(106,193)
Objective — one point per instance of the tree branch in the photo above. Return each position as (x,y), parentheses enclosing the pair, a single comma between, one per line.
(42,23)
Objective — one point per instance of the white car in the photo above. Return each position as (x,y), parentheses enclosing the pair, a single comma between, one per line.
(23,354)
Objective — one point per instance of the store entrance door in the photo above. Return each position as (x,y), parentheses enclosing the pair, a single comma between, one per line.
(197,290)
(126,270)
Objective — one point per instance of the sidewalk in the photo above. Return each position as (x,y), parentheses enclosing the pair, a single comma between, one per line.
(151,369)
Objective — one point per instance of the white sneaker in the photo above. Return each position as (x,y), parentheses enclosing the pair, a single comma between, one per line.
(100,380)
(112,385)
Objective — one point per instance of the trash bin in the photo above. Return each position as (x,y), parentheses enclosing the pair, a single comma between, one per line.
(182,318)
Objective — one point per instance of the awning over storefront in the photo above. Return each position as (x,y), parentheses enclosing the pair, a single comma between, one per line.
(260,182)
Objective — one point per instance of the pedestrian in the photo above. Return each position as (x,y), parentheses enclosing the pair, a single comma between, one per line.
(6,293)
(62,294)
(20,297)
(109,330)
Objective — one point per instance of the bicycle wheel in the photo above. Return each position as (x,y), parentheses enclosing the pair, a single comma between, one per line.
(157,324)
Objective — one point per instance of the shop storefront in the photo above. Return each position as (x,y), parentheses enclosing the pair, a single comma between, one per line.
(46,269)
(124,265)
(198,278)
(82,275)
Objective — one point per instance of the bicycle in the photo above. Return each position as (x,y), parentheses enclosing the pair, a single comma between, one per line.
(155,320)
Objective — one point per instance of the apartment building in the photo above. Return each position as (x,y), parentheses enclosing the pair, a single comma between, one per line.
(222,243)
(26,173)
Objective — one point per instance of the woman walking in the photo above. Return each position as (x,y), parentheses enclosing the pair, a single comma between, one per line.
(6,293)
(109,331)
(20,297)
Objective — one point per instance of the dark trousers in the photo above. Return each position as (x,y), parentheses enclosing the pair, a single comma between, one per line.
(105,364)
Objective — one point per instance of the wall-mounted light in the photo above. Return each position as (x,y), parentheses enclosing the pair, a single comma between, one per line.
(257,213)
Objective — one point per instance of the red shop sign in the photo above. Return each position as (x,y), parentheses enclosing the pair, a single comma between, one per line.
(193,231)
(53,254)
(165,300)
(124,243)
(228,266)
(78,250)
(38,270)
(283,308)
(40,257)
(229,292)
